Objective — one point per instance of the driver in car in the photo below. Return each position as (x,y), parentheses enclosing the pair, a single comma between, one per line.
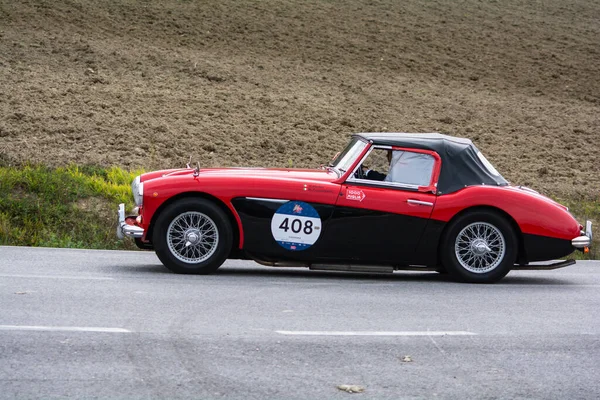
(405,167)
(372,174)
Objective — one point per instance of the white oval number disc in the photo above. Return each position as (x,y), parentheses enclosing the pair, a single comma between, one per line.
(296,225)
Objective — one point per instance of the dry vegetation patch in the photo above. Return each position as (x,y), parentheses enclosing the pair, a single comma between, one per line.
(273,83)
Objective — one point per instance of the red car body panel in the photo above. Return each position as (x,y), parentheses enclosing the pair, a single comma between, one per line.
(386,200)
(390,200)
(315,186)
(538,218)
(535,214)
(530,210)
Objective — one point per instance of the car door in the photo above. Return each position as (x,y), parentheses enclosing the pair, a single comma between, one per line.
(382,221)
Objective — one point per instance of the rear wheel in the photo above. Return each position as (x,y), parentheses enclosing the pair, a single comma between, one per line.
(192,236)
(479,247)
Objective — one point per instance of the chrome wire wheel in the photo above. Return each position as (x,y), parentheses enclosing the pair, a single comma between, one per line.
(192,237)
(480,247)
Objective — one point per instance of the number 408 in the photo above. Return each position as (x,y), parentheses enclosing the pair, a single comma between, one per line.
(296,226)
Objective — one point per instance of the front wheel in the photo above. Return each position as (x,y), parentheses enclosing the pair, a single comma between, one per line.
(479,247)
(192,236)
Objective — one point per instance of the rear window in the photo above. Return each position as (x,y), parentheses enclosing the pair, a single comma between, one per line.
(487,164)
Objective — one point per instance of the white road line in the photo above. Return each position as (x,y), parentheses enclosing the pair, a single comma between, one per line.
(557,285)
(61,329)
(377,333)
(40,248)
(94,278)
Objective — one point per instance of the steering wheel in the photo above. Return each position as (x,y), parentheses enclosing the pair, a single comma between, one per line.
(360,174)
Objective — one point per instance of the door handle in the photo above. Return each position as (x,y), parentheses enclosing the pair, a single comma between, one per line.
(419,202)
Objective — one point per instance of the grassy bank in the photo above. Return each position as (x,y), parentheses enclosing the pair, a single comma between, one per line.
(62,207)
(76,207)
(583,210)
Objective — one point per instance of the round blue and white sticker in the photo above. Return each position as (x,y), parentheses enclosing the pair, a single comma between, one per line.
(296,225)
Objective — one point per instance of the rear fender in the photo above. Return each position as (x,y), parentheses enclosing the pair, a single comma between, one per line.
(521,256)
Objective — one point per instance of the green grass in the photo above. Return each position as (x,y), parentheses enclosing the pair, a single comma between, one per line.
(63,207)
(76,206)
(582,210)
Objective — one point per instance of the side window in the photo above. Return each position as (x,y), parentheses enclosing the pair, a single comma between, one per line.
(411,168)
(404,168)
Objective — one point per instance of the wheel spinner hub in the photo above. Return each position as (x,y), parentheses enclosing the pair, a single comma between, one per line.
(193,236)
(480,247)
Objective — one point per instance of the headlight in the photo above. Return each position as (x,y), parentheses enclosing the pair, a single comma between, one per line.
(137,188)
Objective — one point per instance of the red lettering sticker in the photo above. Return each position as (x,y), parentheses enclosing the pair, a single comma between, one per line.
(355,194)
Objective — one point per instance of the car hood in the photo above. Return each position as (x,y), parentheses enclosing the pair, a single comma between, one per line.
(275,173)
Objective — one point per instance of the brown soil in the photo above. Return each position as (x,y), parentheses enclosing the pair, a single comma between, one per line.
(278,83)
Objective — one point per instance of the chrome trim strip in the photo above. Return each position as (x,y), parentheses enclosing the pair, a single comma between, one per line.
(126,230)
(121,220)
(588,229)
(370,182)
(581,242)
(132,231)
(419,202)
(527,189)
(137,189)
(269,200)
(585,240)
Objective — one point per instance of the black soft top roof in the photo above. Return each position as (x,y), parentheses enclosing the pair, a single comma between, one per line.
(460,164)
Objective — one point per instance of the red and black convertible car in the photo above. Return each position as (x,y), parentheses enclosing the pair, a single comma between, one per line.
(388,201)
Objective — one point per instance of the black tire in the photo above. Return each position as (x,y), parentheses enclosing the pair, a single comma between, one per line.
(212,230)
(462,258)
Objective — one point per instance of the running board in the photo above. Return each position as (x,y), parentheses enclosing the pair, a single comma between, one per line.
(382,269)
(556,265)
(352,268)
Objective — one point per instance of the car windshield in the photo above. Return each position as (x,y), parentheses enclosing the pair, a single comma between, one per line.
(344,160)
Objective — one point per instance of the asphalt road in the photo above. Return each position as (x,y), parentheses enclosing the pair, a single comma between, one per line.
(107,324)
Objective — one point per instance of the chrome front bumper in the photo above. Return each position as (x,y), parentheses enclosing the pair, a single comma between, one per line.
(585,240)
(126,230)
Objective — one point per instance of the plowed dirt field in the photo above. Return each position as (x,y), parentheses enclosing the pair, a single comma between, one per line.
(279,83)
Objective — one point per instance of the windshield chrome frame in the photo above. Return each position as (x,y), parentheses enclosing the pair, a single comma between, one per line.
(370,182)
(346,159)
